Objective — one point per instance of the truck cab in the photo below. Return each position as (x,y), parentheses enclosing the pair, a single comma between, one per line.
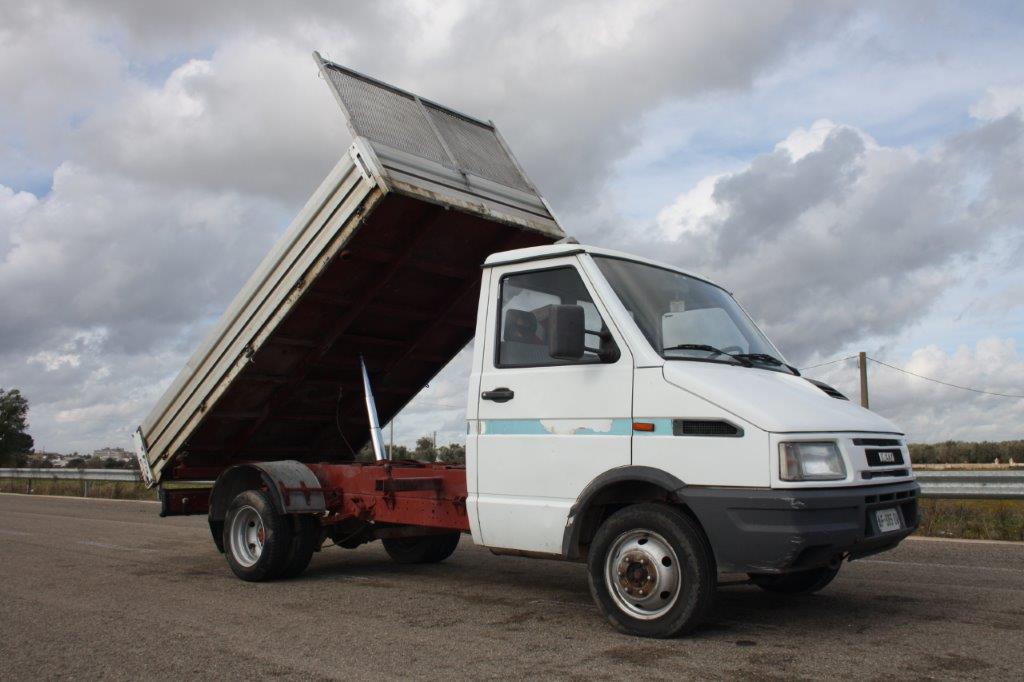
(602,380)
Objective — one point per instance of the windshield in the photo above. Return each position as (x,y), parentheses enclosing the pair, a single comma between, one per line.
(685,318)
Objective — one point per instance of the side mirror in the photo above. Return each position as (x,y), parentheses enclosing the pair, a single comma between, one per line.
(566,332)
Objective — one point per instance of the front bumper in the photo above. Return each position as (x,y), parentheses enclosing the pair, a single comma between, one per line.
(777,531)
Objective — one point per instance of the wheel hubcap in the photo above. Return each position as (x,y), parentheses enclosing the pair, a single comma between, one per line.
(643,574)
(247,536)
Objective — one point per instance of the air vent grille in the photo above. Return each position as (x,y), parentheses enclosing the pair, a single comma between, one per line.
(828,389)
(705,427)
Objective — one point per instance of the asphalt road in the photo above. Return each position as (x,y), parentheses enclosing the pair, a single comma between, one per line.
(98,588)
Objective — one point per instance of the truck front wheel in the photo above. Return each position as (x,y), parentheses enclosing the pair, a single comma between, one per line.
(257,540)
(651,572)
(426,549)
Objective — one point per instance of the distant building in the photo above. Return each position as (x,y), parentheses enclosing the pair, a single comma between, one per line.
(54,458)
(120,454)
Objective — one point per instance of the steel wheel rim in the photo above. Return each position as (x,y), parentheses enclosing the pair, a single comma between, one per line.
(643,574)
(247,536)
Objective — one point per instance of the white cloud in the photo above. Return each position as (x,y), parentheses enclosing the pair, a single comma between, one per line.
(804,141)
(999,102)
(101,250)
(832,238)
(54,69)
(693,212)
(253,118)
(932,412)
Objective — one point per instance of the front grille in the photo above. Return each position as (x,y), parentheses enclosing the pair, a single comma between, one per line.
(884,458)
(868,475)
(889,497)
(904,500)
(877,442)
(705,427)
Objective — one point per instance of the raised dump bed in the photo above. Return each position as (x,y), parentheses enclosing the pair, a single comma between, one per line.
(383,261)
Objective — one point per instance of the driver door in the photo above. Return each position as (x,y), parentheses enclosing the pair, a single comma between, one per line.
(546,427)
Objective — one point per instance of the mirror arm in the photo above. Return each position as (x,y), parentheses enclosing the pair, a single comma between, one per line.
(604,354)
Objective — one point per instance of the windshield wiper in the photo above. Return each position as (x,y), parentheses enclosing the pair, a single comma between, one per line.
(768,359)
(710,349)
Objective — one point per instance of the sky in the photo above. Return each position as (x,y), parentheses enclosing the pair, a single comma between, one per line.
(851,172)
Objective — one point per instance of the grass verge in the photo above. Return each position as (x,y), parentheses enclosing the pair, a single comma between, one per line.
(972,519)
(112,490)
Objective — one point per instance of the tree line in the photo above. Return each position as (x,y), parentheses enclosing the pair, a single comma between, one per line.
(425,451)
(967,452)
(15,443)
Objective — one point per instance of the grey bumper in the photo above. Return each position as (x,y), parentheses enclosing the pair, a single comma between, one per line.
(776,531)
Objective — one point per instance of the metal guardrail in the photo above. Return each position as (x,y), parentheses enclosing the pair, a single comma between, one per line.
(980,485)
(991,485)
(86,476)
(72,474)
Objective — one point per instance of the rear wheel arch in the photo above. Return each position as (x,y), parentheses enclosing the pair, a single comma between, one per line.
(228,485)
(292,487)
(613,490)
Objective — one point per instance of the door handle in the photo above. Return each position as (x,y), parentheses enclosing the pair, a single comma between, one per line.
(499,395)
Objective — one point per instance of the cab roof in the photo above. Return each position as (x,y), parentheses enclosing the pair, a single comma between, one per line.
(568,249)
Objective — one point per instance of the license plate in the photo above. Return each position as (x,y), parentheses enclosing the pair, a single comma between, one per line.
(888,520)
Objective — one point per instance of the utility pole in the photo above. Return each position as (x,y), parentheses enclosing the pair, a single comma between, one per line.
(391,438)
(862,357)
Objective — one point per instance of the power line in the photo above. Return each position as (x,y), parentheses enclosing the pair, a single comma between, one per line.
(945,383)
(830,362)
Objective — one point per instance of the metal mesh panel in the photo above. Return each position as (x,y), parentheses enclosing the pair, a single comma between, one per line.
(388,117)
(702,427)
(477,150)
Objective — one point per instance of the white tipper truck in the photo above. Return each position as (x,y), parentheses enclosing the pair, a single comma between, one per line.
(621,412)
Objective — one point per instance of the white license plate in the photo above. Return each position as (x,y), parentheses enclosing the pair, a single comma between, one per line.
(888,520)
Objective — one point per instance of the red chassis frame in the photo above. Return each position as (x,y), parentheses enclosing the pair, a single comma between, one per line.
(400,492)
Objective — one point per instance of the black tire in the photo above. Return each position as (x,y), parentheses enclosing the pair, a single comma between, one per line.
(426,549)
(658,532)
(305,538)
(253,510)
(801,582)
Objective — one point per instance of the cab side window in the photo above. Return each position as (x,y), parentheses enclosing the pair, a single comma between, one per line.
(524,308)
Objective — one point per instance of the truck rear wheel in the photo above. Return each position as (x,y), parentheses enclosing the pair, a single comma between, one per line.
(801,582)
(651,572)
(426,549)
(304,543)
(257,540)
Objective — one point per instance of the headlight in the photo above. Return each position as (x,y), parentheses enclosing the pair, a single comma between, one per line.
(806,461)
